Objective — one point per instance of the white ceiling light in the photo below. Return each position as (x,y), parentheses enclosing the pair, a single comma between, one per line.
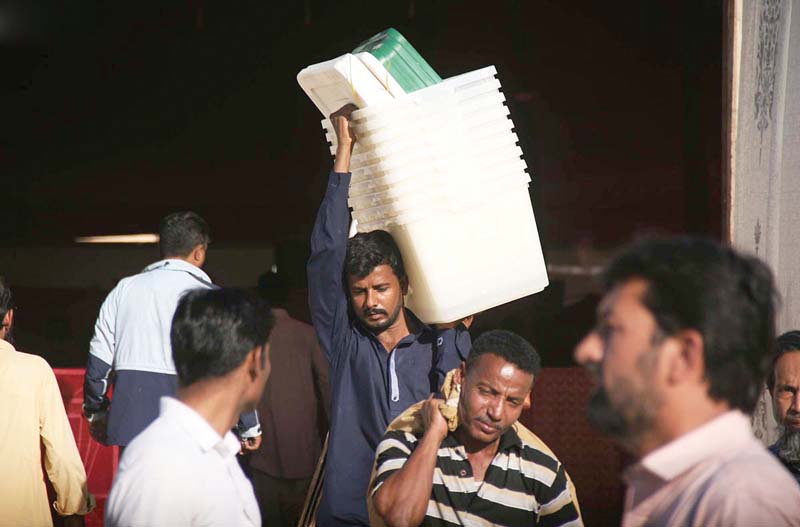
(120,238)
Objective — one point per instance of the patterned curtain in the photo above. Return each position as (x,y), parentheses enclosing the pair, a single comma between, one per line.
(763,139)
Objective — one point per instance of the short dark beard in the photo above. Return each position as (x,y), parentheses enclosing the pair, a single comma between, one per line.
(626,422)
(377,330)
(789,446)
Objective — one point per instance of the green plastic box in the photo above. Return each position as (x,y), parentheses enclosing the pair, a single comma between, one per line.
(400,59)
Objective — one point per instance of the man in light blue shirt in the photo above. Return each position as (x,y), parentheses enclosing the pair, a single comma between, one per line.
(131,336)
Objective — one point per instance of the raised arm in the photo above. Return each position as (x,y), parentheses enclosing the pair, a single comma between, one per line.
(404,479)
(326,294)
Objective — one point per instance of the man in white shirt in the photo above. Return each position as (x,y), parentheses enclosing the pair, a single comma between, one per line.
(131,342)
(683,337)
(182,469)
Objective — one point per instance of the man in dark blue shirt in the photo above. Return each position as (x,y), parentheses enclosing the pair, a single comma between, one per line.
(383,358)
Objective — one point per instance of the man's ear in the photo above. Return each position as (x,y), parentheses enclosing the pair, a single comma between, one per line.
(527,402)
(686,361)
(8,319)
(198,255)
(256,361)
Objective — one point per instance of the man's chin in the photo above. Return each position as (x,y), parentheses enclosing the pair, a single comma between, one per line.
(605,417)
(376,326)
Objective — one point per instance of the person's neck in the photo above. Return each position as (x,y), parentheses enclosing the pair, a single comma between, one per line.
(678,418)
(392,335)
(216,400)
(475,448)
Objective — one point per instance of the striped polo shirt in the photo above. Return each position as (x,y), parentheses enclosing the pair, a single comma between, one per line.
(522,486)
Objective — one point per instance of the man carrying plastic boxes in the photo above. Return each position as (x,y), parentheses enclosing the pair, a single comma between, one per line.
(383,358)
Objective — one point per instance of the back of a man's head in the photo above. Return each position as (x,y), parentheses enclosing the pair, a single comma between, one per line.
(508,346)
(181,232)
(368,250)
(273,288)
(727,297)
(213,330)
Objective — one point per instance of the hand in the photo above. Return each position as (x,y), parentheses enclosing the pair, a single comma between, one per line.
(345,138)
(250,444)
(340,120)
(433,419)
(75,520)
(467,321)
(98,429)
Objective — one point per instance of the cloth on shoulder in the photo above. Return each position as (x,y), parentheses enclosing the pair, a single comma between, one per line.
(411,422)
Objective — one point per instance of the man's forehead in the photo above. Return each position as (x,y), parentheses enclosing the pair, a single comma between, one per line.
(627,293)
(788,366)
(380,273)
(490,367)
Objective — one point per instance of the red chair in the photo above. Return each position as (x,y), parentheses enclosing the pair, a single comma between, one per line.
(100,461)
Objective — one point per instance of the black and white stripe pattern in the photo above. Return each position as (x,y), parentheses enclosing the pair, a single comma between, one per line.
(522,486)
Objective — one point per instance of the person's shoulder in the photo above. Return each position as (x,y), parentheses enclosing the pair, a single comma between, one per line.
(32,363)
(740,469)
(750,488)
(537,459)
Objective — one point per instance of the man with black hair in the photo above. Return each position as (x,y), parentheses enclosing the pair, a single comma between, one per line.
(131,348)
(483,467)
(182,469)
(783,382)
(383,359)
(680,350)
(35,431)
(294,412)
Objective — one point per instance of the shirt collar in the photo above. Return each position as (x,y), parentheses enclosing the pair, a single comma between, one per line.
(198,429)
(725,432)
(6,346)
(175,264)
(508,439)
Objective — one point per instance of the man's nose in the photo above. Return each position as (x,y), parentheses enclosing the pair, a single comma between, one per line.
(495,409)
(796,403)
(370,298)
(589,350)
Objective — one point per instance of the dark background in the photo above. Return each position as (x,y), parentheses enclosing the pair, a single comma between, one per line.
(115,113)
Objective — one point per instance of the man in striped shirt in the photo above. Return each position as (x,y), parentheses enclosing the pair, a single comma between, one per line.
(490,470)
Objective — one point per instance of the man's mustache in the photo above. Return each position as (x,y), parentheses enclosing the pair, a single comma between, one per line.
(374,311)
(487,423)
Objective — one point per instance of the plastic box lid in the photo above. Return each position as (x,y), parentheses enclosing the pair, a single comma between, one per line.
(400,59)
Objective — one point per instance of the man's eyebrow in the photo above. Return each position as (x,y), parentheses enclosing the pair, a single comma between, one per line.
(603,311)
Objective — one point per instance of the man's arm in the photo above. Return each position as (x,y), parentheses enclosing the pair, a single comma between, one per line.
(319,372)
(326,293)
(61,458)
(559,503)
(99,366)
(249,431)
(403,482)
